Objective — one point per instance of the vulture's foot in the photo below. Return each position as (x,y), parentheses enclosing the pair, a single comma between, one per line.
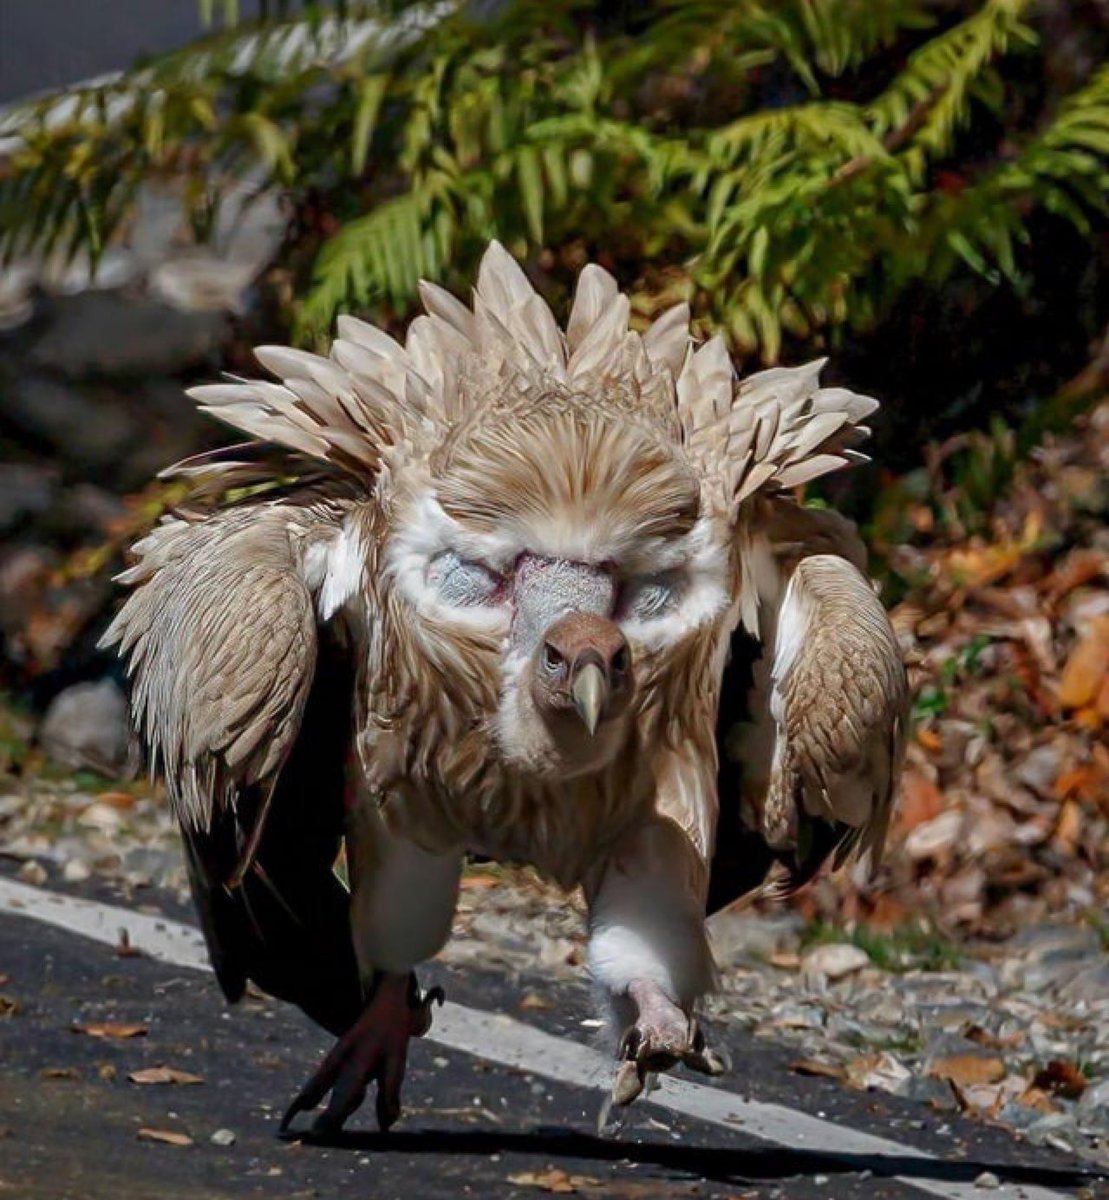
(373,1049)
(662,1036)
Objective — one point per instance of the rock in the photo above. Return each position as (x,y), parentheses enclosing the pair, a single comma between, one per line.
(76,871)
(987,1180)
(1095,1098)
(108,335)
(1057,1130)
(65,276)
(32,872)
(834,961)
(77,427)
(87,726)
(27,490)
(202,282)
(752,937)
(1091,983)
(223,1137)
(17,295)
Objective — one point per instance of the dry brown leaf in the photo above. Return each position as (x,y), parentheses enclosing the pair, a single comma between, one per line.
(1061,1078)
(1037,1098)
(983,1037)
(479,883)
(112,1029)
(163,1075)
(169,1136)
(1087,666)
(116,799)
(553,1180)
(60,1073)
(920,799)
(967,1069)
(929,739)
(814,1067)
(1068,828)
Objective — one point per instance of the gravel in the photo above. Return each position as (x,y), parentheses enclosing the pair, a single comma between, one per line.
(1016,1034)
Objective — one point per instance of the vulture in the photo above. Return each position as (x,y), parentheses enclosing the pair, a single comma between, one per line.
(541,594)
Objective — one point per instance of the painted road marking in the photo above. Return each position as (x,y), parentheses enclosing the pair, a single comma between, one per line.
(511,1043)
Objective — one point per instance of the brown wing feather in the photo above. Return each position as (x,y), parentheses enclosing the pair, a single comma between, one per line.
(251,728)
(813,713)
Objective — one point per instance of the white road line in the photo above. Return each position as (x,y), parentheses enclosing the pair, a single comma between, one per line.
(510,1043)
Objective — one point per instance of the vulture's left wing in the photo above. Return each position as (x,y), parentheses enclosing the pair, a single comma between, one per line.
(245,703)
(811,768)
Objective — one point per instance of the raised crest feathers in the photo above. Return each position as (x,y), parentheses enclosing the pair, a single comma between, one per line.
(373,400)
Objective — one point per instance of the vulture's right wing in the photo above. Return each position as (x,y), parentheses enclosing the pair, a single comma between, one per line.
(819,741)
(245,702)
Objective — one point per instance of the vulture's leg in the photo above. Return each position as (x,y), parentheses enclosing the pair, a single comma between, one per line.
(648,949)
(402,904)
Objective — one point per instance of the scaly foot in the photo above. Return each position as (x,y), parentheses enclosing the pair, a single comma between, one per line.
(374,1048)
(662,1036)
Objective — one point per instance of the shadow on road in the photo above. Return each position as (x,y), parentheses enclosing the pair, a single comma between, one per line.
(702,1162)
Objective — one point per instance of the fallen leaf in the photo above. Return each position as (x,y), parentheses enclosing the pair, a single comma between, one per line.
(1086,667)
(169,1136)
(1036,1098)
(1068,828)
(553,1180)
(124,949)
(983,1037)
(967,1069)
(9,1006)
(477,883)
(929,739)
(920,799)
(112,1029)
(1061,1078)
(814,1067)
(785,960)
(534,1000)
(116,799)
(163,1075)
(60,1073)
(880,1071)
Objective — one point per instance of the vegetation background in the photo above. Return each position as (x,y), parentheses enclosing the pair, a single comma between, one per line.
(916,188)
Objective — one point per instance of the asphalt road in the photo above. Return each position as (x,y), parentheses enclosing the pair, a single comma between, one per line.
(70,1117)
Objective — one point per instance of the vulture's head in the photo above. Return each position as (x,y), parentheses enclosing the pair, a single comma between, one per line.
(562,544)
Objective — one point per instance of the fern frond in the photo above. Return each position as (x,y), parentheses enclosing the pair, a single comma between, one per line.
(943,77)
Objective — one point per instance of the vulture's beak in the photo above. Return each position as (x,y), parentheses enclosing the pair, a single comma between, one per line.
(589,691)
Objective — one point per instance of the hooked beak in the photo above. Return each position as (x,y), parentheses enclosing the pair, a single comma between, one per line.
(589,691)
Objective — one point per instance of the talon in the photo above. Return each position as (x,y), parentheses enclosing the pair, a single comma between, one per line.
(629,1043)
(421,1009)
(373,1050)
(628,1084)
(662,1036)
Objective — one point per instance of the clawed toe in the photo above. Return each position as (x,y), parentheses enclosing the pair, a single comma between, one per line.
(374,1049)
(661,1037)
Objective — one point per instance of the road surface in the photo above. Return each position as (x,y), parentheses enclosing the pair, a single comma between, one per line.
(501,1100)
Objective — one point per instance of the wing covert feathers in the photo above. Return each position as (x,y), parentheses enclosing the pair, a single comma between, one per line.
(220,635)
(373,400)
(829,715)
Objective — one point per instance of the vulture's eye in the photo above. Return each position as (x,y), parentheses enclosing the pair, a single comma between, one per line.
(462,583)
(553,661)
(650,596)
